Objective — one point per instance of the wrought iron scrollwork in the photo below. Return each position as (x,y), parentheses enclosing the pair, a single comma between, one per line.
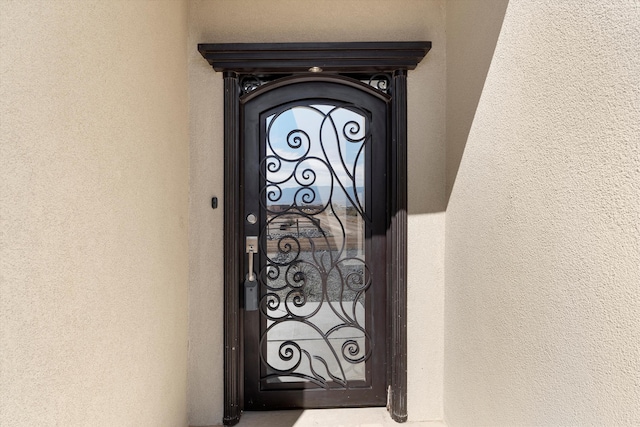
(249,83)
(314,276)
(382,82)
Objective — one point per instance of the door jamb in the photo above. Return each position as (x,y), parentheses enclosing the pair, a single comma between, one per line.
(369,57)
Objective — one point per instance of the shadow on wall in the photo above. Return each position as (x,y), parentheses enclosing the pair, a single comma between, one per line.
(473,28)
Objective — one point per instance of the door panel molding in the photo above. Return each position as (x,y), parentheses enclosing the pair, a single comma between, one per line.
(353,60)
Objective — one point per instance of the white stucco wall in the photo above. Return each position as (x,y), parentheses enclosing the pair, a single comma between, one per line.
(94,213)
(334,20)
(542,301)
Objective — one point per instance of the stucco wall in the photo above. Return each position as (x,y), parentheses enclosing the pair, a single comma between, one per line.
(542,301)
(472,31)
(334,20)
(94,213)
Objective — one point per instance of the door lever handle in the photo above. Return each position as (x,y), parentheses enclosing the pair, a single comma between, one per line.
(250,285)
(252,248)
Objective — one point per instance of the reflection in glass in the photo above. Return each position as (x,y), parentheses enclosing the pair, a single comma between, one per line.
(315,275)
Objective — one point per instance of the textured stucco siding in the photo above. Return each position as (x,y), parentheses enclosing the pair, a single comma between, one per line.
(542,300)
(94,213)
(332,21)
(111,148)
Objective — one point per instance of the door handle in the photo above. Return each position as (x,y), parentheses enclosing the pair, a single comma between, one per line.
(250,284)
(252,248)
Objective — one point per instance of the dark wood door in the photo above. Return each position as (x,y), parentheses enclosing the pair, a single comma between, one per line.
(314,215)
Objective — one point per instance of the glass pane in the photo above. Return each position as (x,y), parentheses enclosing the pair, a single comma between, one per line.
(315,275)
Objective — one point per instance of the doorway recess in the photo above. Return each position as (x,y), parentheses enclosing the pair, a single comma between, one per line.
(250,69)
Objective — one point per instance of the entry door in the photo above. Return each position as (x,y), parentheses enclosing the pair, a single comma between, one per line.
(314,217)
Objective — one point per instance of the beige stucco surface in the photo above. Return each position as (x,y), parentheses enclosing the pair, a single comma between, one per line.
(294,21)
(111,148)
(542,302)
(472,31)
(94,213)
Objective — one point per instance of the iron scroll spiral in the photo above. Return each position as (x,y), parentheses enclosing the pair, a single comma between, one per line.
(314,175)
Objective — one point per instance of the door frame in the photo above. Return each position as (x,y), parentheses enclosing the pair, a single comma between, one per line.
(373,106)
(238,60)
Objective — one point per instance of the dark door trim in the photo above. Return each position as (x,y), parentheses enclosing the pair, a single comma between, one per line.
(281,59)
(341,95)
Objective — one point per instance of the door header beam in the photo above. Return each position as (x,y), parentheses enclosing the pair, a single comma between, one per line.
(285,58)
